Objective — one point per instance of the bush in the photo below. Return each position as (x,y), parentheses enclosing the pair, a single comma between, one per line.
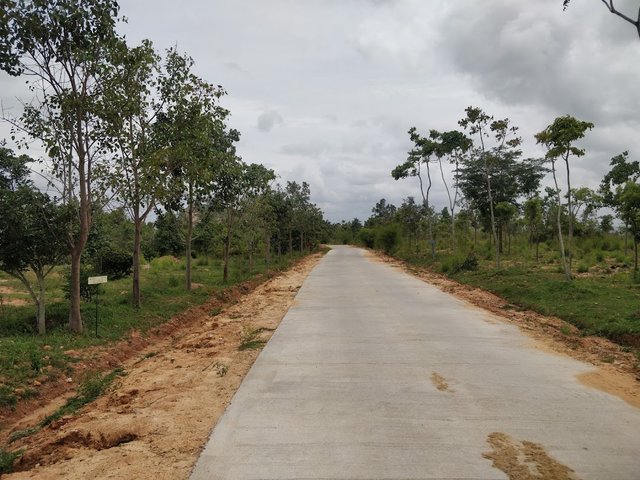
(387,239)
(583,268)
(367,237)
(453,265)
(86,290)
(116,265)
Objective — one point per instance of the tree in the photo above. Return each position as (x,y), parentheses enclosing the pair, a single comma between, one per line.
(236,184)
(65,46)
(168,238)
(559,138)
(611,7)
(192,125)
(451,145)
(422,153)
(32,231)
(140,168)
(621,191)
(533,210)
(298,198)
(409,214)
(490,163)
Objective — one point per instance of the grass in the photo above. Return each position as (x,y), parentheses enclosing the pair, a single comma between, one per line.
(26,357)
(605,305)
(251,340)
(91,388)
(7,459)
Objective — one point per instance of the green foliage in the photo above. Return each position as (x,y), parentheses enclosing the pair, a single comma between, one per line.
(456,264)
(116,265)
(251,340)
(7,397)
(387,238)
(7,460)
(367,237)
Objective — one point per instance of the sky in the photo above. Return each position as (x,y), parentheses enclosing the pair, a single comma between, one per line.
(324,91)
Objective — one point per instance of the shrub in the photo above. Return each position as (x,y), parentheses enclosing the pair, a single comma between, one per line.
(116,265)
(583,268)
(367,237)
(387,239)
(453,265)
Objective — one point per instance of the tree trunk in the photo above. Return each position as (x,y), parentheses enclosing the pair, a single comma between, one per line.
(635,251)
(493,218)
(451,202)
(565,265)
(136,261)
(267,248)
(570,240)
(75,317)
(225,269)
(302,242)
(188,240)
(40,305)
(290,241)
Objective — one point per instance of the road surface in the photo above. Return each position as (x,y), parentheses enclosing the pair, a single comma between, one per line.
(374,374)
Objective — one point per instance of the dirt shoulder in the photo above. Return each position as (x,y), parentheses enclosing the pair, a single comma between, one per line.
(154,421)
(616,370)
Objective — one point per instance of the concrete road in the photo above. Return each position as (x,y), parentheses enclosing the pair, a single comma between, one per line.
(347,388)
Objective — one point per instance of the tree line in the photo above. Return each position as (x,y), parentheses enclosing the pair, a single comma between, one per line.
(492,188)
(127,126)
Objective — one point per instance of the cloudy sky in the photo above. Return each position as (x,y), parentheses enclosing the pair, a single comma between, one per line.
(325,90)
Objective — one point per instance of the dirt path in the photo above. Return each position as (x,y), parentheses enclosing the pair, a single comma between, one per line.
(154,421)
(617,371)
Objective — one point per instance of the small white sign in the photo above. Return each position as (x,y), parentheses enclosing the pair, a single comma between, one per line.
(97,280)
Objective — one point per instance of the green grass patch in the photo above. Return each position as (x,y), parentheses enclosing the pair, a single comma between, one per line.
(18,434)
(7,459)
(89,390)
(26,357)
(598,305)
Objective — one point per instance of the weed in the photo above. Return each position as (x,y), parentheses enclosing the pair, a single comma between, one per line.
(7,459)
(221,368)
(7,397)
(93,386)
(18,434)
(565,330)
(174,282)
(583,268)
(250,340)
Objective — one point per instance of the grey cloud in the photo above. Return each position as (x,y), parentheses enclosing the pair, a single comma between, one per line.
(269,119)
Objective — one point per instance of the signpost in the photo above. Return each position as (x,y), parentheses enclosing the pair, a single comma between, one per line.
(97,281)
